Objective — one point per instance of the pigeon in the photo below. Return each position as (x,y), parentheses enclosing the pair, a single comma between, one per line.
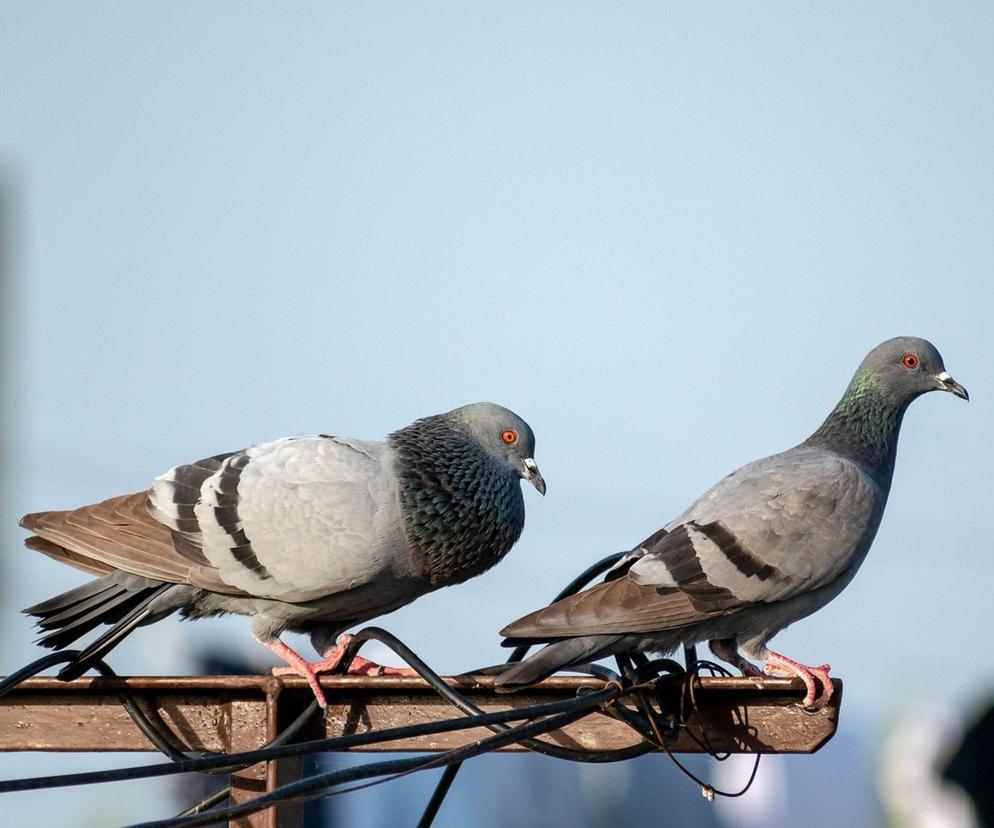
(310,534)
(766,546)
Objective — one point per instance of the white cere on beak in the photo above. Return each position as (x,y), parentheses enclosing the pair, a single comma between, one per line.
(943,376)
(531,465)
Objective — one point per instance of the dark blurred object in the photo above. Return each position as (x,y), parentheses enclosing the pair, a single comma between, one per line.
(972,766)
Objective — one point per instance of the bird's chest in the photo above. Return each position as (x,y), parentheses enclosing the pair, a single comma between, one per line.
(819,534)
(461,524)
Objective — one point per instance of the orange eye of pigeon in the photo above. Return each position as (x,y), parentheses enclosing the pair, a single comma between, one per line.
(910,361)
(509,436)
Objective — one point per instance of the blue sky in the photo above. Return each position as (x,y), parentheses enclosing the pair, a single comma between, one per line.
(664,234)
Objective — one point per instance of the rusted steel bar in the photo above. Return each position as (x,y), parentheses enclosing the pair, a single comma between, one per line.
(743,715)
(244,734)
(238,713)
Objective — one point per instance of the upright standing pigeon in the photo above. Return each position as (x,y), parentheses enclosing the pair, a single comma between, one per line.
(769,544)
(309,534)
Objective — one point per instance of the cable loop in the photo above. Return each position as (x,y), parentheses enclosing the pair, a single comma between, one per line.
(664,694)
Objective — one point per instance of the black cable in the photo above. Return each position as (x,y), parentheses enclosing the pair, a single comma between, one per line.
(34,668)
(660,733)
(181,762)
(518,653)
(275,749)
(655,666)
(138,716)
(282,738)
(459,701)
(636,669)
(465,705)
(207,802)
(573,587)
(689,654)
(271,753)
(438,795)
(216,763)
(633,671)
(625,667)
(308,788)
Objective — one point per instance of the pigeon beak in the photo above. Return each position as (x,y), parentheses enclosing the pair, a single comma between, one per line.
(533,475)
(944,382)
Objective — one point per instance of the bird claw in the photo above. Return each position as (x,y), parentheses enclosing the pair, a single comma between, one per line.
(811,676)
(298,667)
(309,671)
(359,666)
(364,667)
(309,676)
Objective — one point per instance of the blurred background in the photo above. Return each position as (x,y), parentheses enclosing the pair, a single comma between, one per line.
(665,234)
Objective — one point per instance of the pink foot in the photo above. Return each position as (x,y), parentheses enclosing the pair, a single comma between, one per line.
(328,664)
(364,667)
(359,667)
(298,667)
(778,663)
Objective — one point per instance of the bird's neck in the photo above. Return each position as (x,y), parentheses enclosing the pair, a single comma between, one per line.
(462,510)
(864,427)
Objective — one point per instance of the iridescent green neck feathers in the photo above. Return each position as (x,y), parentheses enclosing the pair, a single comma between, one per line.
(864,426)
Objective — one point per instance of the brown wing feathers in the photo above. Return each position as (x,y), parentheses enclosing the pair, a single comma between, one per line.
(624,606)
(63,555)
(618,606)
(119,533)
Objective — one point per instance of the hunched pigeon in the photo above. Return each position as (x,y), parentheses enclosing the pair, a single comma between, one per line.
(307,534)
(768,545)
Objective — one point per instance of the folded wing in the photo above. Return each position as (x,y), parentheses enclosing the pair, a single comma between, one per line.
(774,529)
(294,520)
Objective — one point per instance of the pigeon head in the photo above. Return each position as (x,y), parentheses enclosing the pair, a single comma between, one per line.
(865,424)
(504,436)
(460,496)
(906,367)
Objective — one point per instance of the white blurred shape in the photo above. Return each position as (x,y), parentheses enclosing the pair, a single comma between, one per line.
(913,792)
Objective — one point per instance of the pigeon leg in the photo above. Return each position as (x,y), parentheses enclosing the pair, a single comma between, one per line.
(779,663)
(298,667)
(727,650)
(329,663)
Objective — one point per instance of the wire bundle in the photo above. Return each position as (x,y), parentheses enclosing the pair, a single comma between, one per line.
(637,679)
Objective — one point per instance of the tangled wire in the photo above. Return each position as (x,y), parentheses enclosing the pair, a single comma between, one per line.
(651,711)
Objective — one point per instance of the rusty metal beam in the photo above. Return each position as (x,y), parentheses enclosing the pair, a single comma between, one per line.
(237,713)
(744,715)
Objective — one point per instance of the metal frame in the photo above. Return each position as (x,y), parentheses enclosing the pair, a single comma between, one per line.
(238,713)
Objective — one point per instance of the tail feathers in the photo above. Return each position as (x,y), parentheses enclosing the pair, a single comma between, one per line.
(100,602)
(76,621)
(138,615)
(556,656)
(69,599)
(72,614)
